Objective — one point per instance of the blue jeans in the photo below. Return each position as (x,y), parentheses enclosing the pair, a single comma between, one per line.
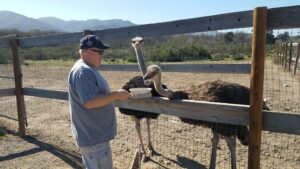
(97,156)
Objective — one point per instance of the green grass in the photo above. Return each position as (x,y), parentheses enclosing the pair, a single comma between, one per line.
(66,63)
(60,63)
(2,135)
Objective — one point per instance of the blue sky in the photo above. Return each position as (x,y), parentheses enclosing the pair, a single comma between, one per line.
(136,11)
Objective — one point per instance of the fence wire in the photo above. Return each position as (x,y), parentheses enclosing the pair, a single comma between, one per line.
(281,93)
(7,104)
(177,144)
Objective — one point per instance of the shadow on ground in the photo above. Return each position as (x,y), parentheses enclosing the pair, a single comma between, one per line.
(72,159)
(181,161)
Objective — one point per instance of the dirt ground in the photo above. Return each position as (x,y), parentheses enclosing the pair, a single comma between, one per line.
(49,143)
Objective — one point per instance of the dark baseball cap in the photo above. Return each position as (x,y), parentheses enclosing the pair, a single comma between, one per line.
(92,41)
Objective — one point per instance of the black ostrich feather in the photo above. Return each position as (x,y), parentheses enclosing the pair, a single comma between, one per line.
(139,82)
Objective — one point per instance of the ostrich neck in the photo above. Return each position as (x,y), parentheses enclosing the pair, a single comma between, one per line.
(160,90)
(140,59)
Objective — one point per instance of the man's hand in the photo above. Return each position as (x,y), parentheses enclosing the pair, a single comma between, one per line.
(121,94)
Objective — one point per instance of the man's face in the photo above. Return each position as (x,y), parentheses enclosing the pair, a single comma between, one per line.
(94,56)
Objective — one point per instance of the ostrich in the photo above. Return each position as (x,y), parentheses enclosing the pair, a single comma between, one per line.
(214,91)
(136,114)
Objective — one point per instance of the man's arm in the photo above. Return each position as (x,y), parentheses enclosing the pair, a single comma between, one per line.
(104,99)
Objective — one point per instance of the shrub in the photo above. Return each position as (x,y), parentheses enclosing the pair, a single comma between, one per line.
(238,57)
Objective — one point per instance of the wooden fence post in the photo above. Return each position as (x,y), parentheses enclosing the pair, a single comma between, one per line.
(277,59)
(280,53)
(290,56)
(18,86)
(285,54)
(297,58)
(257,79)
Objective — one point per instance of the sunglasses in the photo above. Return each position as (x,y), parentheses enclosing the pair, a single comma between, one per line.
(98,51)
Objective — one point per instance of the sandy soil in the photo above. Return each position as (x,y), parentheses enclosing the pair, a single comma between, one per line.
(49,143)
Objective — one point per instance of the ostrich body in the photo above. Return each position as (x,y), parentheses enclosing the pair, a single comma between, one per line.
(213,91)
(135,83)
(139,115)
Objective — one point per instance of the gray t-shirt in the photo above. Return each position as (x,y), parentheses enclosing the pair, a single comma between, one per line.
(89,126)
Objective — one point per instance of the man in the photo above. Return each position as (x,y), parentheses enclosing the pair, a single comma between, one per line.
(92,109)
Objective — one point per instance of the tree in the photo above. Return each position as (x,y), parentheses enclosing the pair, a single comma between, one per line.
(228,37)
(284,37)
(270,37)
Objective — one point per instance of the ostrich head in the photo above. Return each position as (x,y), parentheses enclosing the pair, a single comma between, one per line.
(137,41)
(153,73)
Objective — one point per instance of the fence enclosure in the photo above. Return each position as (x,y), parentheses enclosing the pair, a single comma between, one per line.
(286,56)
(261,19)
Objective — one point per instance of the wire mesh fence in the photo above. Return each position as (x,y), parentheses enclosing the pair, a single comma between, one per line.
(8,104)
(176,144)
(281,92)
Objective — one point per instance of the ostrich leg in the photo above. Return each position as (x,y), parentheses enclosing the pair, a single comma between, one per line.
(231,143)
(138,129)
(214,140)
(150,146)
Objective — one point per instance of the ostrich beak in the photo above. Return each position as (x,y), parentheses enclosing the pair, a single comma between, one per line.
(147,76)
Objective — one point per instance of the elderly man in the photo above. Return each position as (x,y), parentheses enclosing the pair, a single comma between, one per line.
(92,109)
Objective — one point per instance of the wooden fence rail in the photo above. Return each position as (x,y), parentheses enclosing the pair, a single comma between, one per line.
(275,18)
(199,68)
(210,111)
(230,113)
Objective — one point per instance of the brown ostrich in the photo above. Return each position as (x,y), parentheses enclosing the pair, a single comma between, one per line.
(213,91)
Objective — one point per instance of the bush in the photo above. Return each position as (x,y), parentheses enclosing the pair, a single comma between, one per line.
(216,58)
(238,57)
(5,56)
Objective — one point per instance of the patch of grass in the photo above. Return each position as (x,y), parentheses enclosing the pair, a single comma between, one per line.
(60,63)
(115,61)
(2,134)
(67,63)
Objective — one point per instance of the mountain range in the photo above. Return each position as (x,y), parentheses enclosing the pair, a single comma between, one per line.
(12,20)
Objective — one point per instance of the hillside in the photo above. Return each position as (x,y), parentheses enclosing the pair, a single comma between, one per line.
(12,20)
